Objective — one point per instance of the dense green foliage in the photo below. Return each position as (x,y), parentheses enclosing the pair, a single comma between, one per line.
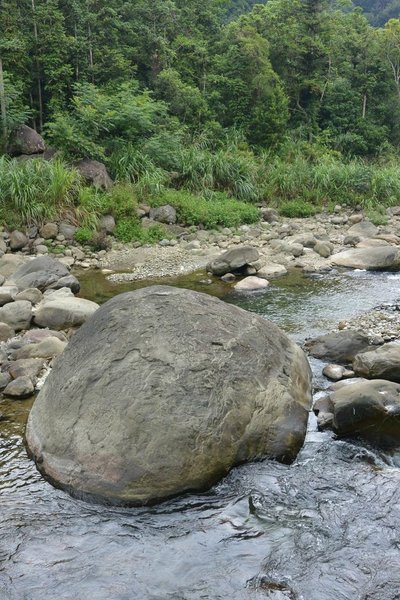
(201,102)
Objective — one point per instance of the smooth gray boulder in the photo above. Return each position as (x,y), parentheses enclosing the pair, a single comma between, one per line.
(370,410)
(363,229)
(163,391)
(40,273)
(339,347)
(18,240)
(107,223)
(22,387)
(251,284)
(370,259)
(236,259)
(271,270)
(32,295)
(379,363)
(8,294)
(9,263)
(60,309)
(67,230)
(18,314)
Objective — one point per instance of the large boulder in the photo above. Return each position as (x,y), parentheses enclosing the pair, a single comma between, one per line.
(370,410)
(236,259)
(26,140)
(379,363)
(95,172)
(60,309)
(340,347)
(363,229)
(164,214)
(9,263)
(17,315)
(370,259)
(42,273)
(163,391)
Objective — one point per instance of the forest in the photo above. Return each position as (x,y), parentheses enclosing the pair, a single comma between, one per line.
(291,101)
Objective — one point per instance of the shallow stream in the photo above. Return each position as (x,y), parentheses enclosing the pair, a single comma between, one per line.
(325,528)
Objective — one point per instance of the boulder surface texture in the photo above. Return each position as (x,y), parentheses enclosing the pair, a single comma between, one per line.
(163,391)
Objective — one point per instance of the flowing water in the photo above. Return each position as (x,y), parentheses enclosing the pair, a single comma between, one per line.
(325,528)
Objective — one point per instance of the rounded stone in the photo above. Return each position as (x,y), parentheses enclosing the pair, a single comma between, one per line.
(163,391)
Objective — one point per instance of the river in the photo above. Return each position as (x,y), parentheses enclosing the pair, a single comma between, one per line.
(324,528)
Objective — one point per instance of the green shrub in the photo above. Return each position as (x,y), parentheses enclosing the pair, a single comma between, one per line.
(217,210)
(297,208)
(83,235)
(129,229)
(377,215)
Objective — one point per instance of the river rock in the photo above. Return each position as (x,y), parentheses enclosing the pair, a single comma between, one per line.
(17,315)
(18,240)
(271,270)
(6,332)
(49,231)
(370,410)
(26,140)
(370,259)
(336,372)
(251,284)
(233,260)
(67,230)
(163,391)
(9,263)
(95,172)
(22,387)
(379,363)
(363,229)
(69,281)
(324,249)
(340,347)
(5,379)
(35,336)
(47,348)
(39,273)
(26,367)
(60,309)
(8,294)
(107,223)
(32,295)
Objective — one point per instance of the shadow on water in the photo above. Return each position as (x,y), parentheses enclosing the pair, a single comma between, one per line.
(324,528)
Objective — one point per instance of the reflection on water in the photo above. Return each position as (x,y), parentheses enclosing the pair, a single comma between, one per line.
(325,528)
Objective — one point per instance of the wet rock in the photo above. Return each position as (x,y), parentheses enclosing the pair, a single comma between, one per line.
(95,172)
(371,259)
(39,273)
(18,240)
(61,310)
(22,387)
(251,284)
(49,231)
(26,140)
(340,347)
(17,315)
(379,363)
(337,372)
(370,410)
(161,410)
(164,214)
(233,260)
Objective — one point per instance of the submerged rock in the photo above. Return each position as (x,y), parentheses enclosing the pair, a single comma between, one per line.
(163,391)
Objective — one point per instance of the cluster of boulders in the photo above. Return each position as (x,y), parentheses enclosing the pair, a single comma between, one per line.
(38,312)
(365,398)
